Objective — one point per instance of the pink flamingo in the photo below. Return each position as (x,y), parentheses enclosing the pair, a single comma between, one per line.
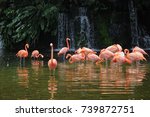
(36,54)
(106,54)
(23,53)
(87,50)
(120,58)
(114,48)
(52,63)
(134,56)
(93,57)
(64,50)
(75,57)
(138,49)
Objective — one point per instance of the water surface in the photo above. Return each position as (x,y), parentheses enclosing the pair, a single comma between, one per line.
(83,80)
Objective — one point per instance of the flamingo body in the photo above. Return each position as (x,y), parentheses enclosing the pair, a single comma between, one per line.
(114,48)
(64,50)
(36,54)
(106,54)
(75,57)
(52,64)
(93,57)
(138,49)
(121,58)
(134,56)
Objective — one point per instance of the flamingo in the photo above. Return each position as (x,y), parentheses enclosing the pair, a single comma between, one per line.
(36,54)
(22,54)
(138,49)
(120,58)
(86,50)
(134,56)
(106,54)
(114,48)
(52,63)
(93,57)
(64,50)
(75,57)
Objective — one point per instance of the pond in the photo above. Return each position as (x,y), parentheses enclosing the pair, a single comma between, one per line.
(77,81)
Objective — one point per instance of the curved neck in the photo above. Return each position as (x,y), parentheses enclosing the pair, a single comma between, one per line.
(67,41)
(51,53)
(26,48)
(126,51)
(40,55)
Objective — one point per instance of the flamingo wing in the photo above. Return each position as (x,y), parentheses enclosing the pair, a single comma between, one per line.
(63,51)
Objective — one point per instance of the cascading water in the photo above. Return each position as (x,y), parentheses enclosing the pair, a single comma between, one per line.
(133,23)
(66,28)
(85,28)
(62,29)
(139,36)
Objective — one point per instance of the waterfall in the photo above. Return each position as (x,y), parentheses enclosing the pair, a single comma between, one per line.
(66,28)
(85,28)
(133,23)
(62,29)
(71,30)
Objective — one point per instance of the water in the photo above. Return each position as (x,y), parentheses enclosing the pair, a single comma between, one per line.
(72,81)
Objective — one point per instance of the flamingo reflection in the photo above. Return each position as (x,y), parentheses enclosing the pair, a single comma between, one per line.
(36,65)
(52,86)
(23,75)
(122,80)
(80,77)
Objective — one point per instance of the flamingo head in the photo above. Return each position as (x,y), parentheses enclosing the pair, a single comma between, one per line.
(27,45)
(67,39)
(51,44)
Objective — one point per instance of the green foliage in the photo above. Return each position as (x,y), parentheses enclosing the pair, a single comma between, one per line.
(26,23)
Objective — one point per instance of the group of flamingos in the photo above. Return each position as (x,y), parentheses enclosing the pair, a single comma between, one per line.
(114,53)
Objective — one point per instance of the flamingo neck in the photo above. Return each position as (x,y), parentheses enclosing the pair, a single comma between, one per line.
(51,53)
(26,48)
(67,41)
(40,55)
(126,51)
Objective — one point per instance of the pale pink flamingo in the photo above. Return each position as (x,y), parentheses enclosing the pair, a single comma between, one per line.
(134,56)
(52,63)
(75,57)
(64,50)
(138,49)
(106,54)
(93,57)
(22,54)
(87,50)
(114,48)
(121,58)
(36,54)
